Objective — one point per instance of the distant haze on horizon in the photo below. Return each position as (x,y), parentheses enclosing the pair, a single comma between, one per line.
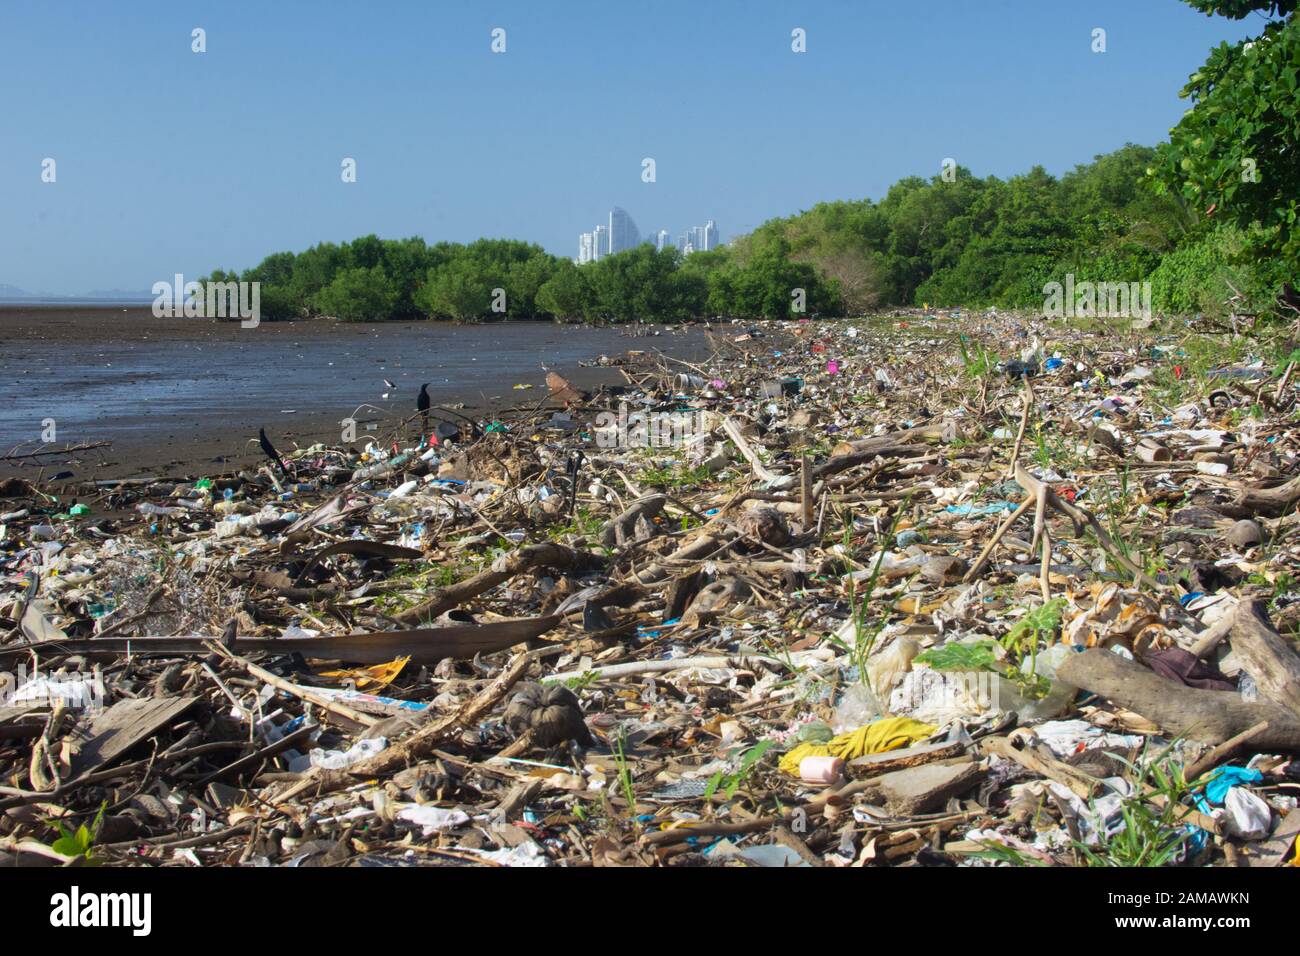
(173,161)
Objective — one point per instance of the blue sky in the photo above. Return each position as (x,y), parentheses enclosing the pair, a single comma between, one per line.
(171,161)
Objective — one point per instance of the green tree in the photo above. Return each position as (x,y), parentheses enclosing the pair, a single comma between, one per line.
(358,295)
(461,290)
(1233,154)
(567,295)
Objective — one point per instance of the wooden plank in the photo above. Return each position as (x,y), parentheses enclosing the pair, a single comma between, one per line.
(869,765)
(1276,848)
(125,724)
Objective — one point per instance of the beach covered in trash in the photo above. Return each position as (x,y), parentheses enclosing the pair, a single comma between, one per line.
(956,589)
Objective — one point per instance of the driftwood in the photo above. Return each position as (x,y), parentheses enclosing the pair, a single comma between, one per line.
(353,717)
(67,450)
(622,528)
(703,546)
(1213,716)
(1046,498)
(944,431)
(1266,655)
(125,724)
(424,741)
(870,765)
(423,646)
(428,738)
(761,471)
(1222,752)
(545,555)
(1269,501)
(364,549)
(844,462)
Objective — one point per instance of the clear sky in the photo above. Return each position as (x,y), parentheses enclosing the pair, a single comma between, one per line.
(172,161)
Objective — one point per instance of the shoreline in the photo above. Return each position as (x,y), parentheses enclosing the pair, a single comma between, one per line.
(162,421)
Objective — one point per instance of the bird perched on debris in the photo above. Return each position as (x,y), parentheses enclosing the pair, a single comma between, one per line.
(422,406)
(269,450)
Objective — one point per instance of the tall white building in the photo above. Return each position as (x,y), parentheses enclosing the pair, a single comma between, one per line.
(710,236)
(662,240)
(623,233)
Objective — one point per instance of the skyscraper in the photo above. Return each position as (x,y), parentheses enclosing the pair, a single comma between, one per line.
(710,236)
(662,240)
(622,231)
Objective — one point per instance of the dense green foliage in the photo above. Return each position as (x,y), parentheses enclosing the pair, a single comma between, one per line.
(987,241)
(1207,216)
(1234,153)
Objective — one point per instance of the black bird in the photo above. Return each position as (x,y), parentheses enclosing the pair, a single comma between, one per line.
(269,450)
(571,468)
(422,406)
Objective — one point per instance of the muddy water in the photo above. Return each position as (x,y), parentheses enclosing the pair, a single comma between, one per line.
(170,390)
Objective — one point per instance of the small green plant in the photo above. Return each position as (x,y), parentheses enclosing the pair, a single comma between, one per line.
(982,656)
(675,475)
(585,679)
(79,843)
(962,656)
(1151,833)
(1282,583)
(976,359)
(445,576)
(866,628)
(624,771)
(1041,623)
(730,783)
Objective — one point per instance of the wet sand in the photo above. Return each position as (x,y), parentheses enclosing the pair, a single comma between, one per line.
(186,396)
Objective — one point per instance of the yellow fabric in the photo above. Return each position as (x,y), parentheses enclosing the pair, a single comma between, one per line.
(888,733)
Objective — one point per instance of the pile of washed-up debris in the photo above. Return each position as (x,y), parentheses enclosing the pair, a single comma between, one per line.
(957,589)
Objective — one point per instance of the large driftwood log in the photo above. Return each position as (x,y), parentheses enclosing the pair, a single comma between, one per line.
(946,430)
(706,544)
(544,555)
(621,529)
(423,645)
(834,466)
(1269,501)
(1266,655)
(1209,715)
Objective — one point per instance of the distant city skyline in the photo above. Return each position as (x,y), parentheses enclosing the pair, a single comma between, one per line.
(621,234)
